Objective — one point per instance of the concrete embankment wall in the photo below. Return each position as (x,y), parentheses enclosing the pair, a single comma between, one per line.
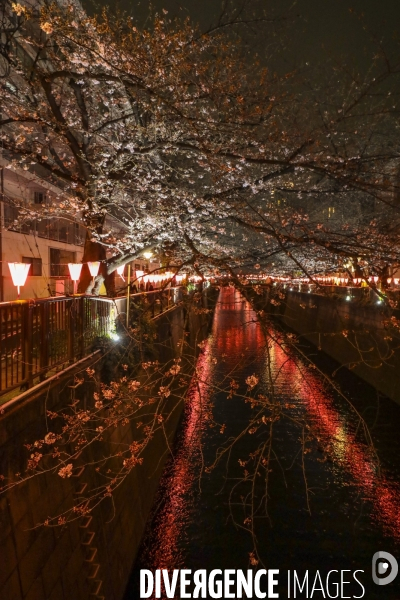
(91,557)
(358,336)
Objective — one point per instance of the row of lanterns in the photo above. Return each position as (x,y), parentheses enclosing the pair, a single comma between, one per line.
(325,279)
(19,273)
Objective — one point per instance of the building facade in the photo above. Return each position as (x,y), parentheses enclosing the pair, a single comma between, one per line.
(48,243)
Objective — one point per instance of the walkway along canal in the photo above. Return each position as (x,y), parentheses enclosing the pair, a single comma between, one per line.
(312,485)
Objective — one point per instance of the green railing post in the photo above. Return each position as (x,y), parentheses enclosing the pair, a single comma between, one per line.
(71,329)
(80,314)
(44,335)
(27,356)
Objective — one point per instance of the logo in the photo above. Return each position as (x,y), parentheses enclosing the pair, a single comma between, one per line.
(384,568)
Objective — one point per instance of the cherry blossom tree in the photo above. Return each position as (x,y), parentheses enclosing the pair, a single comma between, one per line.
(171,139)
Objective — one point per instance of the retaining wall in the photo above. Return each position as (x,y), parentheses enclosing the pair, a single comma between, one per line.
(91,557)
(358,336)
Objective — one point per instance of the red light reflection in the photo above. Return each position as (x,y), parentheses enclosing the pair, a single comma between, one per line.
(164,551)
(237,333)
(337,437)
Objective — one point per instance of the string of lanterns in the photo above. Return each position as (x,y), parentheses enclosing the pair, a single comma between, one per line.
(76,268)
(329,280)
(19,274)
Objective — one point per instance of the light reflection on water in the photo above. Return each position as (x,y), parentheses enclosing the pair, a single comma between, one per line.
(182,472)
(355,505)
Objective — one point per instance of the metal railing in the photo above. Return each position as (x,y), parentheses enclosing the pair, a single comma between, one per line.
(38,336)
(347,292)
(153,303)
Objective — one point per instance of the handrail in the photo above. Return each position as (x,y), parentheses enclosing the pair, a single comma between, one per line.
(31,301)
(42,335)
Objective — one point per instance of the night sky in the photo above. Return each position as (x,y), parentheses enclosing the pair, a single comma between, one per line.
(311,31)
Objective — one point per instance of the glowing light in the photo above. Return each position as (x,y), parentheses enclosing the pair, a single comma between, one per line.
(19,273)
(120,271)
(94,268)
(147,255)
(75,272)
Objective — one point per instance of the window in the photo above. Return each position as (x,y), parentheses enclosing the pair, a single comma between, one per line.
(36,265)
(77,236)
(137,267)
(59,260)
(39,197)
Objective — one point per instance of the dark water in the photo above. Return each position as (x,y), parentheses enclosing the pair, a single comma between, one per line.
(332,498)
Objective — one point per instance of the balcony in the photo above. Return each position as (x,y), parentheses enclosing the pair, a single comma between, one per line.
(57,228)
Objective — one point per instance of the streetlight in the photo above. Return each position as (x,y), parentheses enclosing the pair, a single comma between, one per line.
(75,272)
(147,255)
(19,273)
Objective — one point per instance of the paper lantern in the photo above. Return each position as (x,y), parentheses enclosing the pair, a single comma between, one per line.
(75,272)
(19,273)
(94,268)
(120,271)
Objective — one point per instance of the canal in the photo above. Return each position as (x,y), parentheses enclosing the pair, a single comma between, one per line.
(275,468)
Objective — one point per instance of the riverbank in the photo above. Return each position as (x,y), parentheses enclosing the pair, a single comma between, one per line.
(361,337)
